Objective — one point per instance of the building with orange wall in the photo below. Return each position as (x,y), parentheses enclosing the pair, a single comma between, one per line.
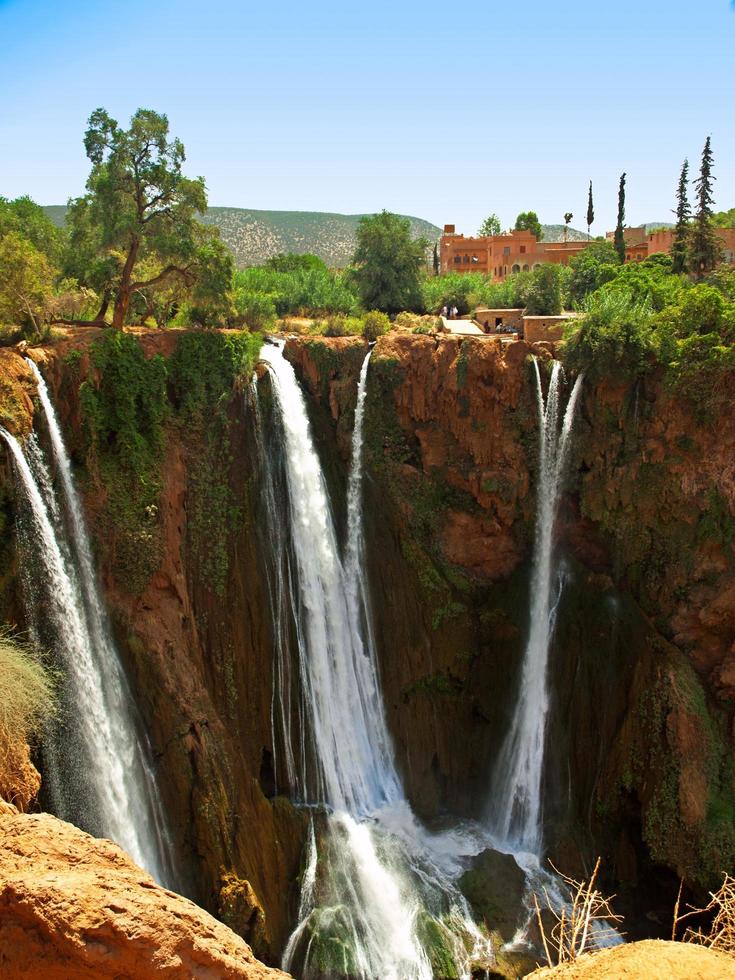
(640,244)
(520,251)
(501,255)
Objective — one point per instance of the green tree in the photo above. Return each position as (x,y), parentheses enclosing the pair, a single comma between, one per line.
(679,247)
(544,295)
(29,219)
(388,263)
(704,246)
(528,221)
(724,219)
(435,259)
(138,206)
(26,282)
(592,268)
(590,211)
(490,226)
(619,232)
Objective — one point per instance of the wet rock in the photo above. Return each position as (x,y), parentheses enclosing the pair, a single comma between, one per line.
(494,886)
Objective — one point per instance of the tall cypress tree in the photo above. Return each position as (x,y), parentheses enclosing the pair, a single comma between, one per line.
(435,259)
(619,240)
(590,211)
(683,215)
(704,246)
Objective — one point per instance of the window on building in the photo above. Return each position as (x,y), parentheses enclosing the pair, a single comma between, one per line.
(525,267)
(475,259)
(523,249)
(457,260)
(466,259)
(515,268)
(506,249)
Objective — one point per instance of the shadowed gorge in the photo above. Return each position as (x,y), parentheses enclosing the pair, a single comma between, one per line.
(300,784)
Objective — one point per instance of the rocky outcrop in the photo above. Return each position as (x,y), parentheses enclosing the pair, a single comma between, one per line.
(188,600)
(20,781)
(652,959)
(73,906)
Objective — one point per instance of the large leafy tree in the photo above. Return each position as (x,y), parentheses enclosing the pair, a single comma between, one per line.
(704,246)
(490,226)
(619,239)
(388,263)
(528,221)
(683,215)
(140,210)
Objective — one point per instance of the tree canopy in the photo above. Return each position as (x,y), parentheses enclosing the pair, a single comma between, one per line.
(388,264)
(490,226)
(136,227)
(528,221)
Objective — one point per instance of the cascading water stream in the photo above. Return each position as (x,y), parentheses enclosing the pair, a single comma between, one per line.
(516,795)
(385,888)
(100,773)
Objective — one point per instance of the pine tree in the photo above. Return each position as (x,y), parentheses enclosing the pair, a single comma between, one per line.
(619,240)
(590,211)
(704,246)
(683,216)
(436,259)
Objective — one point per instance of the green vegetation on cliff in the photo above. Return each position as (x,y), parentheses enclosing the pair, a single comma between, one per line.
(204,370)
(126,408)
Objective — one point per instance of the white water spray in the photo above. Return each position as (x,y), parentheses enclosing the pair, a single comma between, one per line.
(102,776)
(516,795)
(387,887)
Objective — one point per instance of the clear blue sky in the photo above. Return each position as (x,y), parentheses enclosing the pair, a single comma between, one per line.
(447,111)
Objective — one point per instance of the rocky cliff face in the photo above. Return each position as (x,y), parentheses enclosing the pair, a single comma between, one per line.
(641,727)
(180,571)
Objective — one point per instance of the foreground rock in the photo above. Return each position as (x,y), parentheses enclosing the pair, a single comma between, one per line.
(74,906)
(652,959)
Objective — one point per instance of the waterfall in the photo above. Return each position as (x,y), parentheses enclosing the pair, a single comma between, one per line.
(516,802)
(100,774)
(379,895)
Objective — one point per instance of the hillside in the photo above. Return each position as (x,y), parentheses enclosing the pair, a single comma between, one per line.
(254,236)
(555,233)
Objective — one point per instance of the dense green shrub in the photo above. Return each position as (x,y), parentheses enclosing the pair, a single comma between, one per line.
(300,289)
(258,310)
(596,265)
(544,295)
(374,325)
(650,280)
(613,337)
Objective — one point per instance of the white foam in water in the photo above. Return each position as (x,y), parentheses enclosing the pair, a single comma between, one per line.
(105,782)
(383,875)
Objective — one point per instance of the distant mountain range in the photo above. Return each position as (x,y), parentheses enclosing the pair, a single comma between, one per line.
(555,233)
(254,236)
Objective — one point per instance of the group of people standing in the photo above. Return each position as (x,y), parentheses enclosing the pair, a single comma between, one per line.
(450,312)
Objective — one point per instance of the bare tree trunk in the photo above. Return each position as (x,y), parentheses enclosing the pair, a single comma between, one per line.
(122,300)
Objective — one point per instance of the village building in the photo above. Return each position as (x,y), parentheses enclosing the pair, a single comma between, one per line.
(499,256)
(641,244)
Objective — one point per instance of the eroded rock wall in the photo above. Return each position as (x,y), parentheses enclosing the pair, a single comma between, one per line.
(641,728)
